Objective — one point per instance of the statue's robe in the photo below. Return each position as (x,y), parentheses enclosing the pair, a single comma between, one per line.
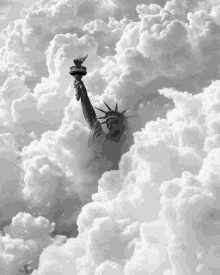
(107,149)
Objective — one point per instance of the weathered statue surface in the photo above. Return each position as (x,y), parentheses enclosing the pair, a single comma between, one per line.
(107,145)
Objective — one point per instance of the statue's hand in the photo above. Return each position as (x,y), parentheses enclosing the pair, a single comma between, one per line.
(78,96)
(78,88)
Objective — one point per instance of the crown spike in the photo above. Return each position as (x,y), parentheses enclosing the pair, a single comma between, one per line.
(125,111)
(116,107)
(101,110)
(107,106)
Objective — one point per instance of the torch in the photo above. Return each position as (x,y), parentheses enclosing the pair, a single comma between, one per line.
(78,71)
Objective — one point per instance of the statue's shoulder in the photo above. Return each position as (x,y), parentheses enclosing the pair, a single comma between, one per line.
(97,134)
(97,130)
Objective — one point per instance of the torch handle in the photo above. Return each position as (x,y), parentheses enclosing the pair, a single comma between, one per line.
(78,86)
(77,72)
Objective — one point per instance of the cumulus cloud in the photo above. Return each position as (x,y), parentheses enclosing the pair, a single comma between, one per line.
(23,240)
(158,213)
(5,3)
(5,8)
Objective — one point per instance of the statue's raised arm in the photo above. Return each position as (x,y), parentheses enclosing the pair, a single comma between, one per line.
(78,71)
(114,120)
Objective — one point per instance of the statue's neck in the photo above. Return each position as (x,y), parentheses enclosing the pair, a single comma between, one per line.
(116,136)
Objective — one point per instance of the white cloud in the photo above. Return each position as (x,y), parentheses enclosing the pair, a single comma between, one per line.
(23,241)
(157,214)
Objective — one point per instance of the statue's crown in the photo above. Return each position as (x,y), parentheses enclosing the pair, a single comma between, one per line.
(111,113)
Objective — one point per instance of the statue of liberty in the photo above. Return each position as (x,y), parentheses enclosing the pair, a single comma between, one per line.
(107,145)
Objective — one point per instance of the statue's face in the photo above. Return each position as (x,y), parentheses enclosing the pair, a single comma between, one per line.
(114,124)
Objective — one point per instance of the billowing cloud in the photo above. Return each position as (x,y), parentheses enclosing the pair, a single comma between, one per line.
(5,7)
(158,213)
(5,3)
(22,242)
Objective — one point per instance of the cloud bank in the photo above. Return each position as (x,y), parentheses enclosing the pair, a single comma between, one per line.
(157,214)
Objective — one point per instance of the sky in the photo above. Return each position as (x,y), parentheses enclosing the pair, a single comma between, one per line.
(159,213)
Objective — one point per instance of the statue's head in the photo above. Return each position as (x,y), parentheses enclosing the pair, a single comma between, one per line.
(113,123)
(114,120)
